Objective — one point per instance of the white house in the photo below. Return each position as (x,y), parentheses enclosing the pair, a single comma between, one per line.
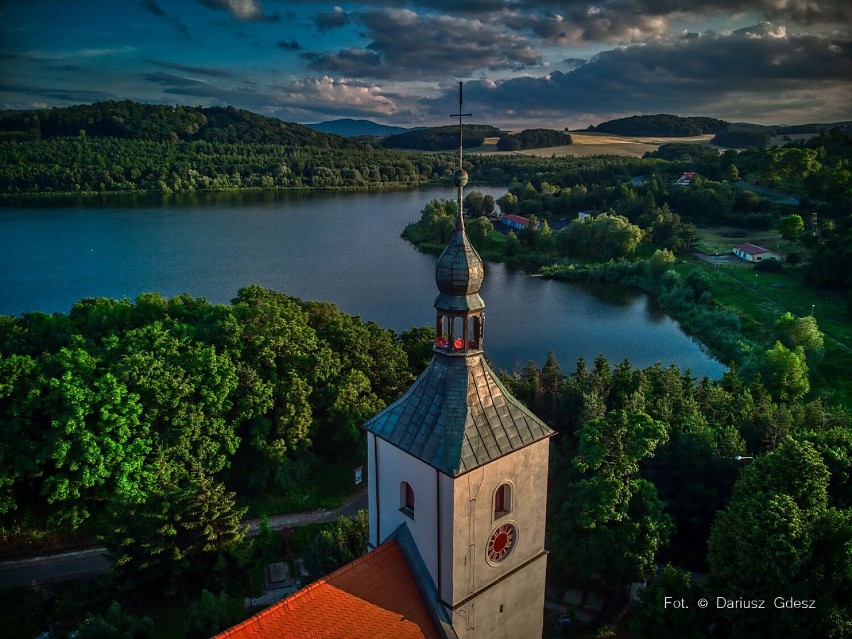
(754,253)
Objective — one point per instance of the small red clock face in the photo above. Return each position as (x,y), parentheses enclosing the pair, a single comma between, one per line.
(501,542)
(459,343)
(441,342)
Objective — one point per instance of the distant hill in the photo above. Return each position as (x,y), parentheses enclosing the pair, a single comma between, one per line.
(662,125)
(533,139)
(350,128)
(441,138)
(665,125)
(157,122)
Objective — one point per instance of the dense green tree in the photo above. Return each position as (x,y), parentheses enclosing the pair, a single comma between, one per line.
(185,388)
(344,541)
(785,372)
(604,237)
(778,538)
(210,614)
(183,528)
(791,227)
(508,203)
(116,624)
(612,522)
(479,230)
(418,344)
(653,614)
(22,431)
(96,446)
(802,331)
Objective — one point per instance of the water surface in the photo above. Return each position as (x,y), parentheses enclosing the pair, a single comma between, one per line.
(339,247)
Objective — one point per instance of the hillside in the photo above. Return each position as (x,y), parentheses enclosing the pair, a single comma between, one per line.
(441,138)
(661,125)
(350,128)
(162,123)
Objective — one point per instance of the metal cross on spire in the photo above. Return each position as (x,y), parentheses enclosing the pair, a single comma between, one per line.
(460,115)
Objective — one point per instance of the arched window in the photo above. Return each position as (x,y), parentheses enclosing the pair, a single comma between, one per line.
(406,499)
(502,500)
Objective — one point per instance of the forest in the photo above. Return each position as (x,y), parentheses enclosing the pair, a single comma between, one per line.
(664,125)
(127,419)
(440,138)
(156,426)
(533,139)
(130,120)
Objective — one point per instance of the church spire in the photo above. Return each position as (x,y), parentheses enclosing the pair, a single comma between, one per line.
(459,274)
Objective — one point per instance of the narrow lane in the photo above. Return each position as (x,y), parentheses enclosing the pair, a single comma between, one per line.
(91,562)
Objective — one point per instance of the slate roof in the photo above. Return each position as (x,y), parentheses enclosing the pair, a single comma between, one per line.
(457,416)
(374,597)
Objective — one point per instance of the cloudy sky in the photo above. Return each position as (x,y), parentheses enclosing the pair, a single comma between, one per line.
(550,63)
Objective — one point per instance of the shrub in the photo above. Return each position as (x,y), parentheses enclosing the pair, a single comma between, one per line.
(769,266)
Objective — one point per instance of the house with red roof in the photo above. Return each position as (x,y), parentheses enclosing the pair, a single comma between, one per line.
(753,253)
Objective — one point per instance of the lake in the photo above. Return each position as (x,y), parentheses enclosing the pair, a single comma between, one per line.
(342,247)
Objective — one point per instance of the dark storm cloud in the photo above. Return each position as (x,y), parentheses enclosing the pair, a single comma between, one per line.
(291,45)
(65,95)
(328,20)
(154,8)
(249,10)
(404,45)
(216,73)
(172,81)
(347,62)
(626,21)
(752,73)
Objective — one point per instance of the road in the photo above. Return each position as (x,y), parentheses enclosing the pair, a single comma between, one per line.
(96,561)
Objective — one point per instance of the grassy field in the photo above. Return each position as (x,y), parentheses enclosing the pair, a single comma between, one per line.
(722,239)
(597,144)
(761,298)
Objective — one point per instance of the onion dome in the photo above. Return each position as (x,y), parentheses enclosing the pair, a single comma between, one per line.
(459,273)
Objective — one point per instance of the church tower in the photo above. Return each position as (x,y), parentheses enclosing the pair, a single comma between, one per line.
(463,465)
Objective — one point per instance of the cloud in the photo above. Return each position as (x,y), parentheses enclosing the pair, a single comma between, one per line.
(759,73)
(175,82)
(216,73)
(566,22)
(347,62)
(54,93)
(299,99)
(405,45)
(248,10)
(292,45)
(334,97)
(154,8)
(328,20)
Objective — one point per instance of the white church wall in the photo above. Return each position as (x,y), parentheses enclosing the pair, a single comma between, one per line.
(395,466)
(526,471)
(509,609)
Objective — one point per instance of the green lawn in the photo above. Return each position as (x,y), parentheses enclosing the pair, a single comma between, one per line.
(718,240)
(761,298)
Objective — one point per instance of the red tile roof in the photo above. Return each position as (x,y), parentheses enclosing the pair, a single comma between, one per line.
(373,597)
(519,219)
(752,249)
